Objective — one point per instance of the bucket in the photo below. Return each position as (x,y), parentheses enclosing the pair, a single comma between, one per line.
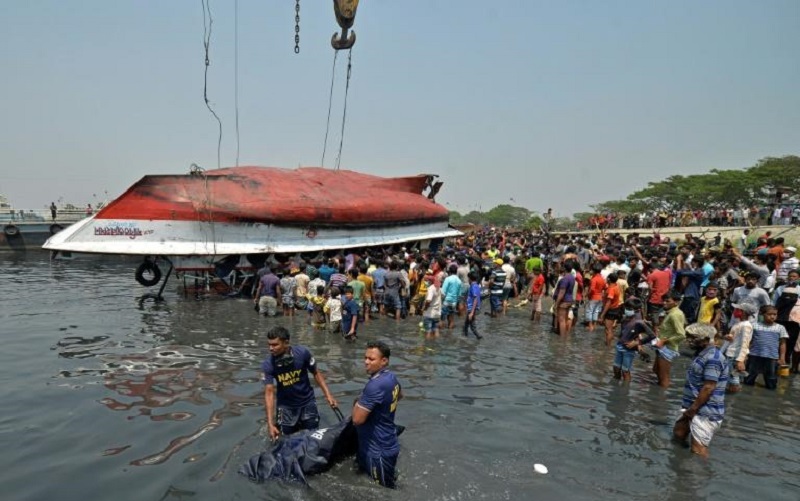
(783,370)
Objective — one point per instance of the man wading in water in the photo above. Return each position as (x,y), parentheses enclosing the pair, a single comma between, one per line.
(670,335)
(703,405)
(287,367)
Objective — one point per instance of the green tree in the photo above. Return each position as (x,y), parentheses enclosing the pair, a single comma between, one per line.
(714,190)
(456,217)
(508,215)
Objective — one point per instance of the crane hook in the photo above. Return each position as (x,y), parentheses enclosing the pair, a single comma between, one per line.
(345,11)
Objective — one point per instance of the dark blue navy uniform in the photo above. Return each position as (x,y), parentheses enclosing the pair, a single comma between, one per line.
(297,409)
(378,447)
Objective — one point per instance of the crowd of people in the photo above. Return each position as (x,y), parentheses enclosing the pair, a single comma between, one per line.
(735,303)
(775,215)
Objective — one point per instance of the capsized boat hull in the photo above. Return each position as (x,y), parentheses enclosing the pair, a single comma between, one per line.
(192,238)
(259,210)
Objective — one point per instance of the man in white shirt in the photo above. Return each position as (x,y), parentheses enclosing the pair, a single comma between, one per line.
(432,311)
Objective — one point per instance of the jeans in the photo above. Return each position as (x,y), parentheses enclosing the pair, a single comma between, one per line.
(496,301)
(430,324)
(593,310)
(623,358)
(767,366)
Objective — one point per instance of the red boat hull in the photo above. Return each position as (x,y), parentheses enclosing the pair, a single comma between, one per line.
(308,196)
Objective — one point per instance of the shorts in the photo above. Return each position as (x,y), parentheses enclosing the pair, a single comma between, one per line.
(703,429)
(537,304)
(462,295)
(614,314)
(623,358)
(667,354)
(382,469)
(507,293)
(292,419)
(448,309)
(301,303)
(392,301)
(268,305)
(335,326)
(379,294)
(288,301)
(430,324)
(655,312)
(593,310)
(496,301)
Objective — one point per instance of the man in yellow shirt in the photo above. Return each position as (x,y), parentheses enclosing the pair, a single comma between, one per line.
(710,306)
(366,296)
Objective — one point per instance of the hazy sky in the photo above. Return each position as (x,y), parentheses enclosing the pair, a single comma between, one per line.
(552,104)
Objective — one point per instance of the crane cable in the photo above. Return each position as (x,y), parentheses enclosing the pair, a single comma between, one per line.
(236,72)
(330,103)
(207,22)
(344,110)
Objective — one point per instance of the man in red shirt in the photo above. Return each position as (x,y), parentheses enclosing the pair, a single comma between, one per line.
(612,311)
(659,281)
(535,296)
(597,287)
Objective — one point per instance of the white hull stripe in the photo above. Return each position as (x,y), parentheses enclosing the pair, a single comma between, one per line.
(194,238)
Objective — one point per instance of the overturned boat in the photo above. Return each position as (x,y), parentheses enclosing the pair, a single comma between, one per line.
(204,217)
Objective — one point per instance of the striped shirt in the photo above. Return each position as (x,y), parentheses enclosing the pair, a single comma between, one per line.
(338,280)
(498,281)
(766,340)
(710,365)
(786,266)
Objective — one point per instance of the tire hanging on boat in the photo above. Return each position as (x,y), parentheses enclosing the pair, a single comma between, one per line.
(55,228)
(150,268)
(11,230)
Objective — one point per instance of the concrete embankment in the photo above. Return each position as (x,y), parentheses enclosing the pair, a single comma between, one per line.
(790,234)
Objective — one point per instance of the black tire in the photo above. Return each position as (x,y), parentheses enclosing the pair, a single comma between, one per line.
(55,228)
(149,268)
(11,230)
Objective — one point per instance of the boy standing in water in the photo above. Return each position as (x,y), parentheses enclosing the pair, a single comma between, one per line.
(333,308)
(537,290)
(630,337)
(432,309)
(737,343)
(767,348)
(473,305)
(709,312)
(317,302)
(350,311)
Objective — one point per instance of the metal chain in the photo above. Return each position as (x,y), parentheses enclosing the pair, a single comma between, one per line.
(297,27)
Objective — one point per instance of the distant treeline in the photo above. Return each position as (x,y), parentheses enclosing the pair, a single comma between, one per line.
(500,216)
(771,181)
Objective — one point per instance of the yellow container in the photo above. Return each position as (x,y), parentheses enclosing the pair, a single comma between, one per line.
(783,370)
